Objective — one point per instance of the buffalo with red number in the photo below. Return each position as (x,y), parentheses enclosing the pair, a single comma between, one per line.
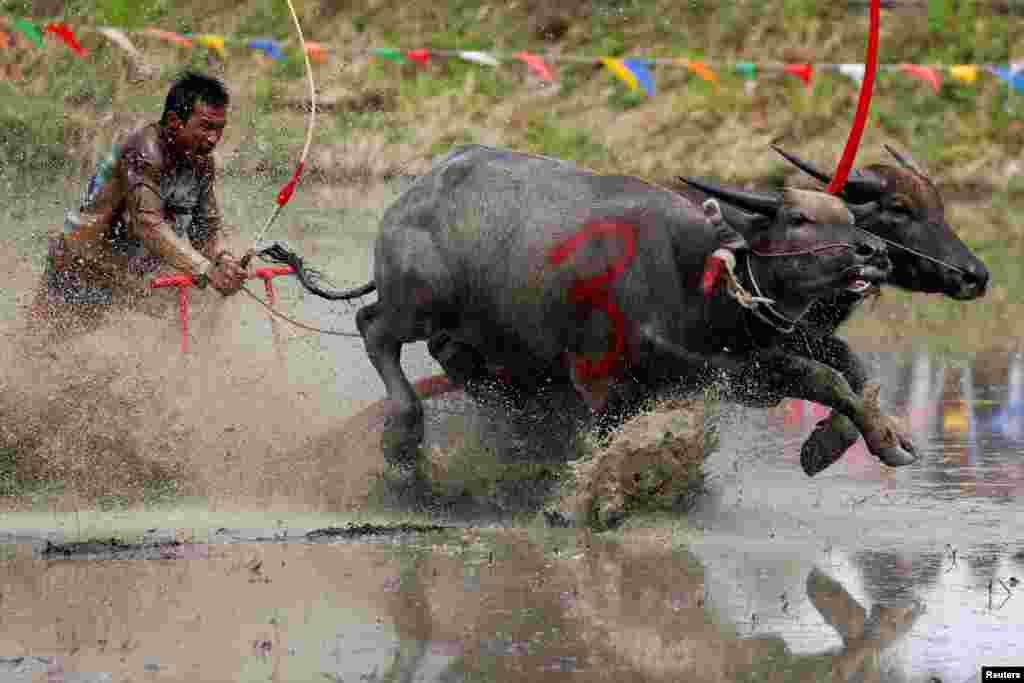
(570,279)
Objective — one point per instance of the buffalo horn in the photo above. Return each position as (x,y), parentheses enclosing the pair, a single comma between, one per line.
(905,160)
(859,182)
(764,204)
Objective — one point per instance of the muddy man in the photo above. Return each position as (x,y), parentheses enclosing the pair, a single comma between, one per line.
(149,205)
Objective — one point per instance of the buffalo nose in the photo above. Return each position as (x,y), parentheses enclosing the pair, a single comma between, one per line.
(977,277)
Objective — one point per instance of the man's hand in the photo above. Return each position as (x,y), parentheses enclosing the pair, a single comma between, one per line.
(227,276)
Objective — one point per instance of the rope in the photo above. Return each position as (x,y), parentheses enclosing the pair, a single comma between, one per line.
(286,192)
(296,323)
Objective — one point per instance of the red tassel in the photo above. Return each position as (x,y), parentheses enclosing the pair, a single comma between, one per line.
(713,268)
(286,192)
(65,33)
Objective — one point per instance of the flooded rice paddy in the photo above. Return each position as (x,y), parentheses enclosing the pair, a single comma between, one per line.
(861,573)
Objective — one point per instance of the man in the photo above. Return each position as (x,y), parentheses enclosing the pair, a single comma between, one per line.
(149,206)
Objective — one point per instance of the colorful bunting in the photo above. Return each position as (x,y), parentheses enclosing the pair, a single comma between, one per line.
(537,64)
(64,32)
(632,72)
(925,73)
(391,53)
(268,45)
(212,42)
(29,30)
(169,36)
(968,73)
(420,55)
(479,58)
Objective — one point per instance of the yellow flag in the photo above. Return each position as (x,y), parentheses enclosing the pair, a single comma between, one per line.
(212,41)
(968,73)
(617,67)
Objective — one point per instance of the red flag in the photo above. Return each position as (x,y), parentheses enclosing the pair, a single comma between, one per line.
(420,55)
(67,35)
(801,71)
(925,73)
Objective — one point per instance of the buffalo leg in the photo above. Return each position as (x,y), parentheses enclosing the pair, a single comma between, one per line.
(808,379)
(403,430)
(834,435)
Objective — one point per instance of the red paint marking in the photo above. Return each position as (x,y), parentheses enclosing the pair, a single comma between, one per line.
(593,292)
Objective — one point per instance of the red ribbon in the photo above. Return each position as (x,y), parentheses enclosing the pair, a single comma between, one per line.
(286,192)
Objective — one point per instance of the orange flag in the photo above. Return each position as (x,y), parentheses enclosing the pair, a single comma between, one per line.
(701,69)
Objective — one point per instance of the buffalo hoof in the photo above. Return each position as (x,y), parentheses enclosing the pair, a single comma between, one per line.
(826,445)
(886,440)
(403,434)
(897,456)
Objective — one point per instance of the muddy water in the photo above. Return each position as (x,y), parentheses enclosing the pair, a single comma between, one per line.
(861,573)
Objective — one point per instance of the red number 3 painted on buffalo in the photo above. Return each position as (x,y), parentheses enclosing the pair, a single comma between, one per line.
(594,293)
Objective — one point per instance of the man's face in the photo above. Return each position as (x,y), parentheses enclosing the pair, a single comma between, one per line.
(201,133)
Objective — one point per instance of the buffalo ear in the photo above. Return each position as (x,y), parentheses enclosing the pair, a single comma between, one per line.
(747,224)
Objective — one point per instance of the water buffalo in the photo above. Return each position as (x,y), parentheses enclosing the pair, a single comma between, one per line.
(902,206)
(488,252)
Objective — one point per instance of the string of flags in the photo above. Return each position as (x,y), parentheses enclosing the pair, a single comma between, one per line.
(635,72)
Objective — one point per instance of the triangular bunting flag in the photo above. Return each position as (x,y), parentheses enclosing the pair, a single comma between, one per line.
(30,31)
(212,42)
(479,58)
(632,72)
(925,73)
(64,32)
(1015,77)
(268,45)
(419,55)
(701,69)
(169,36)
(968,73)
(802,71)
(537,65)
(317,52)
(852,71)
(391,53)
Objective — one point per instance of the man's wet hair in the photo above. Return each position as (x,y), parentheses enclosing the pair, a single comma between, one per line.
(191,87)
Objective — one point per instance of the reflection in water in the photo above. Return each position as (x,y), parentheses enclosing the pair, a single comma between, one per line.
(603,610)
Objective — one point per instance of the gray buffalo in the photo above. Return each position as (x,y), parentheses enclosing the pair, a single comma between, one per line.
(901,205)
(560,275)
